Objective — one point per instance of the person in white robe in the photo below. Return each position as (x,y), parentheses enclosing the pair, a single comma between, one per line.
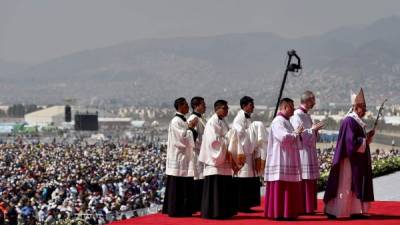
(178,199)
(218,151)
(253,138)
(308,151)
(283,167)
(199,108)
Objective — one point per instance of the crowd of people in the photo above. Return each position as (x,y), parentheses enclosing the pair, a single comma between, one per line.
(71,178)
(45,183)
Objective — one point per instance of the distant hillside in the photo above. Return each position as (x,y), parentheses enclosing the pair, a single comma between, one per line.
(155,71)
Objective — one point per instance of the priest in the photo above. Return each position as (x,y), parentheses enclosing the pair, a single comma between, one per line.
(308,151)
(283,168)
(349,190)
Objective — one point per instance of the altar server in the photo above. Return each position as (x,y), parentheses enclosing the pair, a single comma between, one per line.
(218,148)
(199,108)
(253,138)
(178,200)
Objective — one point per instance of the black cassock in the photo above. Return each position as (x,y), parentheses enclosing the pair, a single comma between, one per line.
(219,197)
(248,192)
(178,199)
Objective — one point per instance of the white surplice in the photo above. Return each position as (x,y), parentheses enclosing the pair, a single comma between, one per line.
(218,139)
(282,158)
(179,149)
(198,166)
(253,139)
(308,151)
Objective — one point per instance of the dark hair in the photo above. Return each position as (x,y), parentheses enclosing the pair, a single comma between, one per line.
(219,103)
(285,101)
(245,100)
(196,101)
(179,102)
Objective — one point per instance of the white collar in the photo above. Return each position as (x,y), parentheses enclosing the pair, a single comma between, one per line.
(358,119)
(244,114)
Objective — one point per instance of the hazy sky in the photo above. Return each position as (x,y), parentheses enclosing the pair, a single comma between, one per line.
(38,30)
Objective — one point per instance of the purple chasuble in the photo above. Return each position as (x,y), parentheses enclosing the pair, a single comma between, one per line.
(350,138)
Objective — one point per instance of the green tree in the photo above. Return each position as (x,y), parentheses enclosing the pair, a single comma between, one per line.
(31,108)
(17,110)
(3,113)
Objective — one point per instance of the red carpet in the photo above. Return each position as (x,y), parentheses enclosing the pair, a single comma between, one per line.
(381,213)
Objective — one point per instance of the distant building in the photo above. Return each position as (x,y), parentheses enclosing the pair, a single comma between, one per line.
(53,115)
(138,123)
(115,123)
(394,120)
(4,107)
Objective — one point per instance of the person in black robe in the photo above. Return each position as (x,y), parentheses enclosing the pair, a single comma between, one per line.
(219,192)
(178,198)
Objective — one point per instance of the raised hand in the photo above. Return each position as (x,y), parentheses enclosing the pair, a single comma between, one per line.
(299,129)
(370,136)
(317,126)
(193,123)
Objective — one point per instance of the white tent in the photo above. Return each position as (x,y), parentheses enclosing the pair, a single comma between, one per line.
(52,115)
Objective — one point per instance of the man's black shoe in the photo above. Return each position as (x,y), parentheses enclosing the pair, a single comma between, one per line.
(359,216)
(330,216)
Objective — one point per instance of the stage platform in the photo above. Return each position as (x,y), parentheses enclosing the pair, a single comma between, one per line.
(382,212)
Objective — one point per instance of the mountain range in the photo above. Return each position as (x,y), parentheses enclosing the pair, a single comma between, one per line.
(155,71)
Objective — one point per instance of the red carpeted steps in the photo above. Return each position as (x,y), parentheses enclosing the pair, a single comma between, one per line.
(381,213)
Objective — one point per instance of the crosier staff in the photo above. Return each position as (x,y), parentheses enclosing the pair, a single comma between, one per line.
(379,114)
